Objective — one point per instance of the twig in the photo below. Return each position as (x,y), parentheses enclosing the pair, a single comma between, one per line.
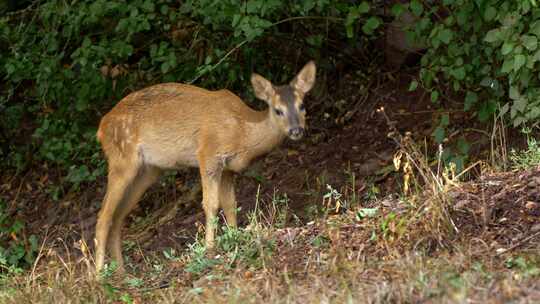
(38,257)
(22,11)
(307,17)
(467,169)
(220,61)
(245,41)
(523,241)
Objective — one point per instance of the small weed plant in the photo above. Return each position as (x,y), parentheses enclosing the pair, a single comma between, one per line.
(17,250)
(249,247)
(529,157)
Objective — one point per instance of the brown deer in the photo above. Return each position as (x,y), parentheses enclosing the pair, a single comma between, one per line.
(169,125)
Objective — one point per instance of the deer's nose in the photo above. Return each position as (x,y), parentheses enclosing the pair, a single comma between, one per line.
(296,133)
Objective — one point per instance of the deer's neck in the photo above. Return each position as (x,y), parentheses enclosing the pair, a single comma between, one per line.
(263,134)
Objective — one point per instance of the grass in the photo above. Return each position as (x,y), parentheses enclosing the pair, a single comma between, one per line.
(302,265)
(528,157)
(356,248)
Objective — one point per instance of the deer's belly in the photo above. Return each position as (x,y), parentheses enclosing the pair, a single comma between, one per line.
(169,156)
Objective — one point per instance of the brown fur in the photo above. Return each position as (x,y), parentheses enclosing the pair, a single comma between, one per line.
(170,125)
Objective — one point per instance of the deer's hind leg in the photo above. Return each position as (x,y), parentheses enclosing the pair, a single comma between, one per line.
(227,197)
(146,176)
(121,176)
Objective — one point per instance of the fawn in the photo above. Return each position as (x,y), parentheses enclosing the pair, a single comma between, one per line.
(169,125)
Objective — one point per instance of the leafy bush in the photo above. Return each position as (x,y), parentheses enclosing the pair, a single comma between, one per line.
(487,51)
(65,63)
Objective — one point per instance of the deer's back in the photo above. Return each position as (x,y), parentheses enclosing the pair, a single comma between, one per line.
(168,123)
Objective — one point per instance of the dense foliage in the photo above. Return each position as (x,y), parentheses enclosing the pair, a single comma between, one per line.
(485,50)
(65,63)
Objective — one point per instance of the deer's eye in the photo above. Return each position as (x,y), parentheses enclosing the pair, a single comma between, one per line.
(302,107)
(278,112)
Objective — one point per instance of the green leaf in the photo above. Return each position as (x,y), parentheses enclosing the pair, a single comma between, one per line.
(416,7)
(315,40)
(519,61)
(462,17)
(413,85)
(349,29)
(518,121)
(493,36)
(236,20)
(507,47)
(97,8)
(148,6)
(164,9)
(535,28)
(438,134)
(520,104)
(352,16)
(435,42)
(458,73)
(514,93)
(504,110)
(86,42)
(480,4)
(397,9)
(10,68)
(536,56)
(529,42)
(164,67)
(252,6)
(434,96)
(490,13)
(507,66)
(445,120)
(363,7)
(470,99)
(445,35)
(463,146)
(367,212)
(371,24)
(486,110)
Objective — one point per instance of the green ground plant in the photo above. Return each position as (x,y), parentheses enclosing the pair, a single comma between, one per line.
(528,157)
(17,250)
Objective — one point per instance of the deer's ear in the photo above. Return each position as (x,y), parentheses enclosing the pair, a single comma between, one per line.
(305,80)
(263,88)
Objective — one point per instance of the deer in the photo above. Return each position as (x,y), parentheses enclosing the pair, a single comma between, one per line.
(173,125)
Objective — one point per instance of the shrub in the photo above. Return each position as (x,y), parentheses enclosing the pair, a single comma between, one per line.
(486,51)
(66,63)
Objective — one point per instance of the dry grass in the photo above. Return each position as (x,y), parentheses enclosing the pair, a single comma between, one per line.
(344,268)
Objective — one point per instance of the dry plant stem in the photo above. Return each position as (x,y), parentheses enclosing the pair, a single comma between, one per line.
(38,257)
(498,136)
(229,53)
(522,242)
(435,180)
